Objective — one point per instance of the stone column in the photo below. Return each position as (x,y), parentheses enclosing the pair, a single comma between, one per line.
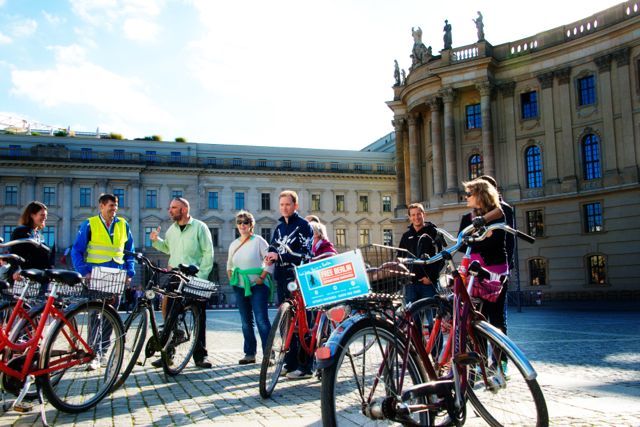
(102,186)
(512,171)
(610,158)
(566,162)
(436,145)
(414,160)
(66,238)
(630,145)
(448,96)
(136,228)
(549,151)
(29,189)
(398,124)
(488,162)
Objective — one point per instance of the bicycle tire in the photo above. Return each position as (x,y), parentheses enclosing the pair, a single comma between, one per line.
(180,337)
(273,359)
(507,398)
(135,335)
(350,381)
(79,388)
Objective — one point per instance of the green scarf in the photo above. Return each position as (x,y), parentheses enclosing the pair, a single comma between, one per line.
(240,278)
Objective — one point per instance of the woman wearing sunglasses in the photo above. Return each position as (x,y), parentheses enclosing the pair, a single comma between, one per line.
(251,282)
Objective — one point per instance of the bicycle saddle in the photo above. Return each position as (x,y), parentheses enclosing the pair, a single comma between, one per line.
(189,270)
(475,269)
(12,259)
(35,275)
(67,277)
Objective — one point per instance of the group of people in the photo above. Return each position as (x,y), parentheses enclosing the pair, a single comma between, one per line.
(257,269)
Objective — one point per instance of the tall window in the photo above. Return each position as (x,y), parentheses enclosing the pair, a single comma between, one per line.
(357,166)
(265,202)
(86,153)
(151,199)
(533,167)
(11,195)
(237,162)
(587,90)
(363,203)
(537,272)
(592,217)
(151,156)
(340,203)
(176,193)
(85,197)
(6,232)
(591,157)
(118,155)
(49,235)
(363,237)
(147,239)
(529,104)
(212,201)
(119,193)
(215,236)
(14,151)
(387,237)
(265,232)
(535,223)
(239,200)
(597,265)
(475,166)
(261,163)
(315,202)
(341,237)
(311,164)
(286,164)
(49,196)
(176,157)
(474,118)
(335,166)
(386,203)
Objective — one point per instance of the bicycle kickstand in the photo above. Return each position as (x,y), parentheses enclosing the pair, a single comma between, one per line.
(43,413)
(18,404)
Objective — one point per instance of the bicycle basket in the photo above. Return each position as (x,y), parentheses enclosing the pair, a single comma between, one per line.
(33,288)
(199,288)
(386,275)
(106,282)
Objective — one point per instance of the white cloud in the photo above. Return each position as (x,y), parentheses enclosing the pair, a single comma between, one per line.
(4,39)
(23,28)
(140,30)
(52,19)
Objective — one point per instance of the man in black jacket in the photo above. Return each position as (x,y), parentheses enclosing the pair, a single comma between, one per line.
(420,240)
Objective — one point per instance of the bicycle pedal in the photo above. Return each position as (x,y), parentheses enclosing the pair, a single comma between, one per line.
(22,407)
(471,358)
(417,391)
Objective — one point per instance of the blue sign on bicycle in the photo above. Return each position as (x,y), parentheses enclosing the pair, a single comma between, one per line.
(330,280)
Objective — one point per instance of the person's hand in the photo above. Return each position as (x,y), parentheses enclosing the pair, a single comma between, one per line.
(154,234)
(259,281)
(479,222)
(128,281)
(425,281)
(17,276)
(270,258)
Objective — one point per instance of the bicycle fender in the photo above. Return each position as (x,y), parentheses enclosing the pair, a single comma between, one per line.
(512,349)
(333,343)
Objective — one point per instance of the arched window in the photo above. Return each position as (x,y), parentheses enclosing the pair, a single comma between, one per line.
(537,272)
(591,157)
(475,166)
(533,167)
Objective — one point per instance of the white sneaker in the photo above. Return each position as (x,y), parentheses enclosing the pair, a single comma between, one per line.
(97,363)
(298,375)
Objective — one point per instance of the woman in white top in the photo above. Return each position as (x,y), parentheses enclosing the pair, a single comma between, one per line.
(251,282)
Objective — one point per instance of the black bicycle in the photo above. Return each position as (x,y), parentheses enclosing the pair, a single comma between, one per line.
(175,341)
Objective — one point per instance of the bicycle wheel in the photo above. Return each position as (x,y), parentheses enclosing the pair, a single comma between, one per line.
(273,359)
(366,376)
(81,382)
(135,334)
(506,397)
(434,317)
(180,335)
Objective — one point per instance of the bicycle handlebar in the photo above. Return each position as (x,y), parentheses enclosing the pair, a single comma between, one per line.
(141,259)
(28,240)
(465,237)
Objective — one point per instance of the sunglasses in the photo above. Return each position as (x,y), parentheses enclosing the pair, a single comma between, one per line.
(246,222)
(467,194)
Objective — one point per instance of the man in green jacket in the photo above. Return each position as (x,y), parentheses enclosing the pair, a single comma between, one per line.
(188,241)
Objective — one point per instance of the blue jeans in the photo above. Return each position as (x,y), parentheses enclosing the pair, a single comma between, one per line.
(253,307)
(415,292)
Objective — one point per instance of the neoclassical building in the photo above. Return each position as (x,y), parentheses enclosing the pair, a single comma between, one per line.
(353,192)
(555,118)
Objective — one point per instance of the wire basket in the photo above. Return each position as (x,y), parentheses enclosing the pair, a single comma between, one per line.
(106,282)
(386,275)
(33,288)
(200,288)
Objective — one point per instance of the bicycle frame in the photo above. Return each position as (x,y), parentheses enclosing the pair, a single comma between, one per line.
(300,319)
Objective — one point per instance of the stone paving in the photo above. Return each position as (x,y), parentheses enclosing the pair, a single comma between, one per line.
(587,358)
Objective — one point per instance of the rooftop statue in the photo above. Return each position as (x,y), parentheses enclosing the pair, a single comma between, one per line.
(396,73)
(447,35)
(419,54)
(479,26)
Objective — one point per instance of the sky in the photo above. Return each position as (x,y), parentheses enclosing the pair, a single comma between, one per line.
(291,73)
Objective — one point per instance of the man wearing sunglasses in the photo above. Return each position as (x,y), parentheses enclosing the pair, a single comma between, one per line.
(188,241)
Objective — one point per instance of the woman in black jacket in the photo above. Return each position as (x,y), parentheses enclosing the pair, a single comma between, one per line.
(32,221)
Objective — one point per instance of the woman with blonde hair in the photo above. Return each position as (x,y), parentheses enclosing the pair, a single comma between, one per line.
(252,284)
(321,246)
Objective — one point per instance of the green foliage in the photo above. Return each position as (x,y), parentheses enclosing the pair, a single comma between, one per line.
(35,133)
(61,133)
(156,138)
(112,135)
(181,139)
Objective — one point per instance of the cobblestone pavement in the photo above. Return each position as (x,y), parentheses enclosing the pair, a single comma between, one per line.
(587,358)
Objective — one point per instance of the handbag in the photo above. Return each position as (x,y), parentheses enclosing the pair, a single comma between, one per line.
(490,289)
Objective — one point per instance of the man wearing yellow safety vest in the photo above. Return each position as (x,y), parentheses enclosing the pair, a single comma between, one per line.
(102,240)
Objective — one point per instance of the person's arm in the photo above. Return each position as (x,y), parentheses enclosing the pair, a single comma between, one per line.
(129,261)
(161,244)
(79,248)
(206,247)
(306,241)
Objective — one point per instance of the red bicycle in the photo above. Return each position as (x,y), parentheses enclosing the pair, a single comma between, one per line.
(76,362)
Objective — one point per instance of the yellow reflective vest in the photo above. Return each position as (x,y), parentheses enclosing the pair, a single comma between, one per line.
(100,248)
